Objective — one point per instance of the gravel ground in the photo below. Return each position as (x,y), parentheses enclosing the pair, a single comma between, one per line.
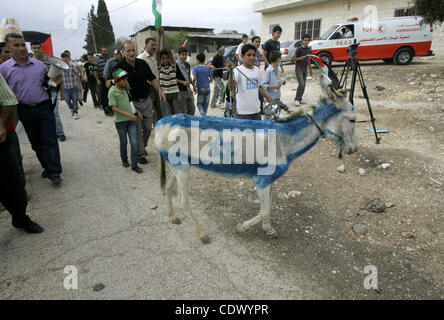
(101,219)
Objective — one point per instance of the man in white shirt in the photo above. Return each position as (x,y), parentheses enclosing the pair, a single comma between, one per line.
(248,105)
(347,34)
(239,49)
(149,55)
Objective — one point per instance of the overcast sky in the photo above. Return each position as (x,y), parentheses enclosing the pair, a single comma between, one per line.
(50,15)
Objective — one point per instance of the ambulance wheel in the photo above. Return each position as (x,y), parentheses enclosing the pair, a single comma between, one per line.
(403,56)
(326,57)
(388,60)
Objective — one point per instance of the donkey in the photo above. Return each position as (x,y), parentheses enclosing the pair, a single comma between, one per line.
(334,118)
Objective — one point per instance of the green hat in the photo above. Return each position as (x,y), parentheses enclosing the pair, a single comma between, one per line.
(119,74)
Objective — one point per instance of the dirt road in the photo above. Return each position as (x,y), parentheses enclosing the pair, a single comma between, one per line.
(102,222)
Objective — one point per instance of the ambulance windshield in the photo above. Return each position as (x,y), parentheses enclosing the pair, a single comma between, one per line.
(330,32)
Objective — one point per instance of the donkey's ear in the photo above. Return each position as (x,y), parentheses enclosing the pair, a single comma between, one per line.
(344,92)
(336,95)
(311,112)
(332,93)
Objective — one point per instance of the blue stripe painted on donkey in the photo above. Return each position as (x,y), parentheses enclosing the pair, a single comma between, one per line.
(294,136)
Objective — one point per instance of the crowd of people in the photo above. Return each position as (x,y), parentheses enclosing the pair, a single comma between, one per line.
(137,90)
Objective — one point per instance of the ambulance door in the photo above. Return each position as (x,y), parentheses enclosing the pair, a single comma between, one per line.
(341,40)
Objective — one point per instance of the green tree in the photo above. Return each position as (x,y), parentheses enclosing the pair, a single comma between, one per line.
(103,28)
(176,40)
(431,10)
(92,18)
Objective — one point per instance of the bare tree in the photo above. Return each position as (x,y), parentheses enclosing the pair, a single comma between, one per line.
(141,24)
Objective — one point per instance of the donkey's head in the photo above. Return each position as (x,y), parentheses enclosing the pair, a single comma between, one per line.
(342,127)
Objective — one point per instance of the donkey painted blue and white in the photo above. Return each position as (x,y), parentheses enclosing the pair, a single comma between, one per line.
(261,150)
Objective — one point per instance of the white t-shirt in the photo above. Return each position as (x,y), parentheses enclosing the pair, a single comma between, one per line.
(239,51)
(247,97)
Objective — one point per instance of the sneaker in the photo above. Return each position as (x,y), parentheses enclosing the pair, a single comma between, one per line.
(297,103)
(62,138)
(137,169)
(143,161)
(125,164)
(309,78)
(76,116)
(56,180)
(81,103)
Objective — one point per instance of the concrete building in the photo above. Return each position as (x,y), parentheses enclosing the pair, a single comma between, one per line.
(315,17)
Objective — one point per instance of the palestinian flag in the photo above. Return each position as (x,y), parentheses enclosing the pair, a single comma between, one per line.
(157,11)
(328,74)
(320,64)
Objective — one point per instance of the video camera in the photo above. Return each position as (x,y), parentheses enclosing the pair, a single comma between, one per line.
(353,54)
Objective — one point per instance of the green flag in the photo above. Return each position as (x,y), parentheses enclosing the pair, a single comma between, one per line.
(157,11)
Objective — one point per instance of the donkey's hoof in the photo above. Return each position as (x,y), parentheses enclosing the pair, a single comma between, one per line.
(176,221)
(240,229)
(272,234)
(205,239)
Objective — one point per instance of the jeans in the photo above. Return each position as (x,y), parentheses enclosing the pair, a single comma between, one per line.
(171,106)
(71,97)
(145,125)
(123,129)
(301,75)
(218,92)
(186,99)
(230,109)
(59,125)
(12,190)
(39,124)
(203,100)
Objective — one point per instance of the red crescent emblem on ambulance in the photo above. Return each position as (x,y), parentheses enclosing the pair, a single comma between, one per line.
(382,28)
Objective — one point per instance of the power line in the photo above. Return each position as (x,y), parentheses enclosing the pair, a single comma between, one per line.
(126,5)
(72,33)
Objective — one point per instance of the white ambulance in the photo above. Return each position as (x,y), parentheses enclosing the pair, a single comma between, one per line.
(395,40)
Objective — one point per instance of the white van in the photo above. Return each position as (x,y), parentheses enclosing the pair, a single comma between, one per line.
(395,40)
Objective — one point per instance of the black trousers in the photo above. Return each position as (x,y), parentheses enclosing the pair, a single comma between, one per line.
(104,97)
(40,127)
(92,85)
(85,90)
(12,190)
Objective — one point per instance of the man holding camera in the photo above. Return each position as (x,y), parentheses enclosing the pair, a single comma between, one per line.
(26,78)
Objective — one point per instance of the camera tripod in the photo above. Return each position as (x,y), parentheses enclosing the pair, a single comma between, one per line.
(352,64)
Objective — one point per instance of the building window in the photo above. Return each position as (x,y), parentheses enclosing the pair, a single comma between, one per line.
(405,12)
(310,27)
(271,26)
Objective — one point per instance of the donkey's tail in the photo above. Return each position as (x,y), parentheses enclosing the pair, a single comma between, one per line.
(162,173)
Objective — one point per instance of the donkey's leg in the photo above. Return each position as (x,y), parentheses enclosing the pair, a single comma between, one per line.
(169,187)
(251,223)
(183,176)
(265,198)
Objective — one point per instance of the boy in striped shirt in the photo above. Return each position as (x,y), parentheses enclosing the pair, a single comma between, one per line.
(167,78)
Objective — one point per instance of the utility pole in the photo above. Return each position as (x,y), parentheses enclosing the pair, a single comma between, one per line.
(92,33)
